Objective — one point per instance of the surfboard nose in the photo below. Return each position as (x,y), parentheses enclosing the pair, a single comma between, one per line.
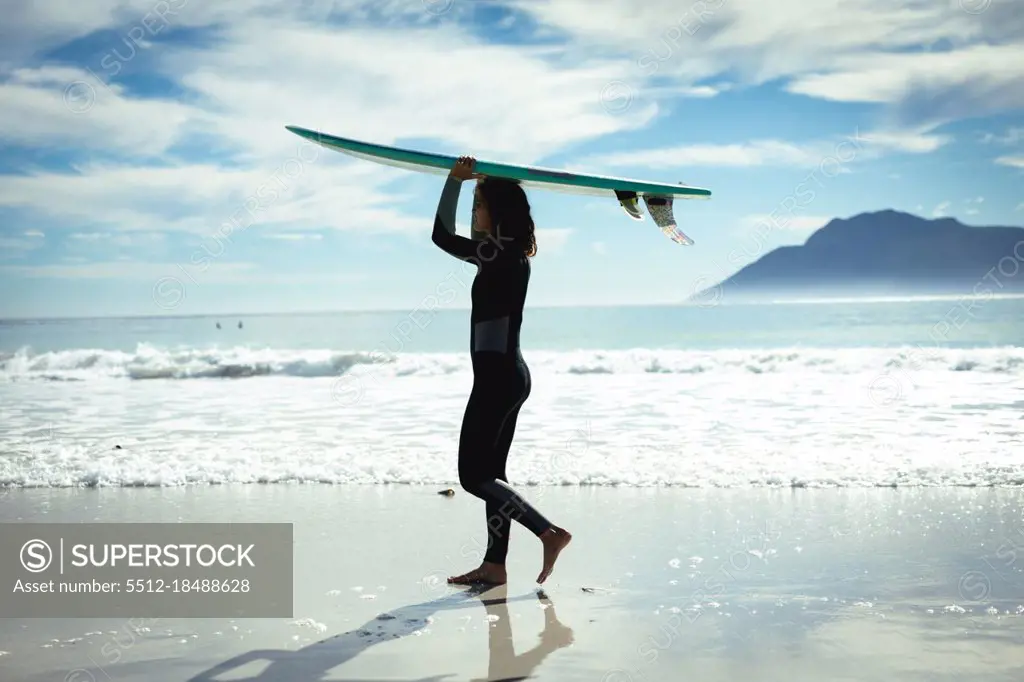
(305,133)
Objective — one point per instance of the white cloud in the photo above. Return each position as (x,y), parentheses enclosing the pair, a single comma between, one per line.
(436,82)
(906,141)
(295,236)
(19,244)
(1011,137)
(928,62)
(126,239)
(701,91)
(132,271)
(1012,161)
(940,211)
(757,153)
(268,69)
(33,27)
(552,239)
(958,83)
(67,107)
(155,273)
(209,200)
(379,78)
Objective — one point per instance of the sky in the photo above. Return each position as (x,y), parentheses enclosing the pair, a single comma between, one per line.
(145,168)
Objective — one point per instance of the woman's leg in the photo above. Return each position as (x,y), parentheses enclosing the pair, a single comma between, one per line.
(483,452)
(500,517)
(487,431)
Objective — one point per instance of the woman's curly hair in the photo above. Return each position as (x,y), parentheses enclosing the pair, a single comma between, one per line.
(510,212)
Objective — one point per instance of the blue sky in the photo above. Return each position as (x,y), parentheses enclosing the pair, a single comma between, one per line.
(136,132)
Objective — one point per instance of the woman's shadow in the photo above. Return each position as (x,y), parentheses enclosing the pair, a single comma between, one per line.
(313,662)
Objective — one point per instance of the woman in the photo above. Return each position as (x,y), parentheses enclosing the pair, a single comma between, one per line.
(501,379)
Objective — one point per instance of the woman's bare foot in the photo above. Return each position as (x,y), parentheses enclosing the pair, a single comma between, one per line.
(555,539)
(488,574)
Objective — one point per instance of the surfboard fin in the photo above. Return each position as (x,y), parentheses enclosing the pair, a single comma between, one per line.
(630,204)
(660,208)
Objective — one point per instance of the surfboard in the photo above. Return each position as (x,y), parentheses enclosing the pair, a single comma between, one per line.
(658,197)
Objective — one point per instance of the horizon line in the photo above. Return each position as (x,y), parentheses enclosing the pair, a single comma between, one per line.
(907,298)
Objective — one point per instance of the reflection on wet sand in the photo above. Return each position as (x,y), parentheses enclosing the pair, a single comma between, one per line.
(315,661)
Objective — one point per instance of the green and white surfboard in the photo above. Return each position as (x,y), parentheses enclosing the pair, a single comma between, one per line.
(657,196)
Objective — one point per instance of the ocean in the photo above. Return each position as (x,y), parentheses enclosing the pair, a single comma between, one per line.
(855,393)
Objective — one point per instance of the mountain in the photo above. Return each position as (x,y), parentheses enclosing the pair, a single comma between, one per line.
(883,253)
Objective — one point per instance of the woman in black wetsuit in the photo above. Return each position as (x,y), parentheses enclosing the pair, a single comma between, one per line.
(504,242)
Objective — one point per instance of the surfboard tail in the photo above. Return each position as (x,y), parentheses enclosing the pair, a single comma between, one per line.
(660,208)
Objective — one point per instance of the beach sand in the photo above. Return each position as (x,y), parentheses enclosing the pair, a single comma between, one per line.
(710,584)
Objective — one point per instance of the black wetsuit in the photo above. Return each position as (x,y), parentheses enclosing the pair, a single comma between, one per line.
(501,379)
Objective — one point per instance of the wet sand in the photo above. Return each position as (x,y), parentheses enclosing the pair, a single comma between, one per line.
(658,584)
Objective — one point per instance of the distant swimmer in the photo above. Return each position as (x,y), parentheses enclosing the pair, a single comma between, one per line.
(501,379)
(239,324)
(218,325)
